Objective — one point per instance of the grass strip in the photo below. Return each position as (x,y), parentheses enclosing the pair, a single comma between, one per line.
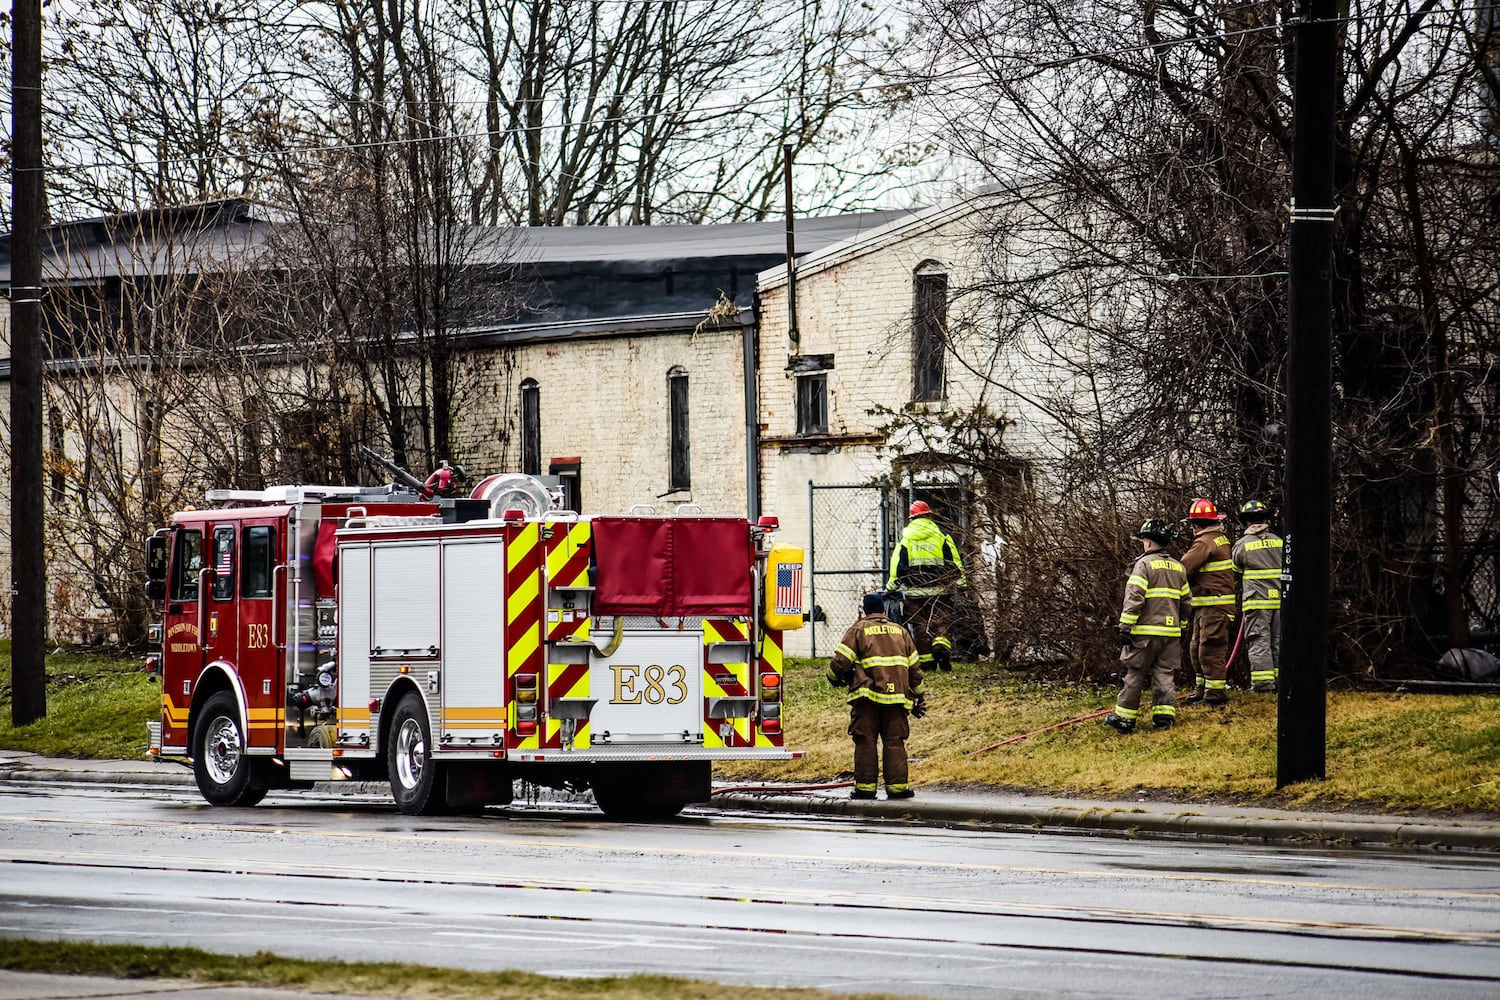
(381,979)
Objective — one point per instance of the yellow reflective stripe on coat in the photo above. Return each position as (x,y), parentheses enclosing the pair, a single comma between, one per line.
(1136,581)
(881,697)
(1172,631)
(1217,565)
(1212,600)
(886,661)
(1262,574)
(1130,618)
(1174,592)
(846,653)
(1262,604)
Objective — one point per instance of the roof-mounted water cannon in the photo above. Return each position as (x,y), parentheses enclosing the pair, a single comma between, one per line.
(513,492)
(401,475)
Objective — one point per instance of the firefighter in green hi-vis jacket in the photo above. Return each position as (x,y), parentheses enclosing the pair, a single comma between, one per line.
(926,567)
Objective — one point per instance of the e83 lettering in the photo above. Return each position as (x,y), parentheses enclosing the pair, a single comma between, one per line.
(653,684)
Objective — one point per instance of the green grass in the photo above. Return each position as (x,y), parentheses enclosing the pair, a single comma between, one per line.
(1390,751)
(392,979)
(97,706)
(1395,752)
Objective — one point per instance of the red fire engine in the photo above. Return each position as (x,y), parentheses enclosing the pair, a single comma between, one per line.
(451,646)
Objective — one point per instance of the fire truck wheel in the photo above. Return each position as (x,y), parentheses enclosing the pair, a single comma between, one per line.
(219,761)
(416,780)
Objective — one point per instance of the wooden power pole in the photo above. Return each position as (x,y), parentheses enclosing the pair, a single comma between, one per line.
(1301,718)
(28,570)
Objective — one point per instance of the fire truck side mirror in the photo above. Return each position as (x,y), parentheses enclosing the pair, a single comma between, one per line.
(156,560)
(156,590)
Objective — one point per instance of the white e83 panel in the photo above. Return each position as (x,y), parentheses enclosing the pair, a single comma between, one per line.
(649,691)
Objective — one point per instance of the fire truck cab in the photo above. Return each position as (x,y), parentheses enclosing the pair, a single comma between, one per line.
(451,646)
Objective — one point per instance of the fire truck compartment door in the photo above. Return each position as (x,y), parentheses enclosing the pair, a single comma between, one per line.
(405,620)
(473,695)
(650,690)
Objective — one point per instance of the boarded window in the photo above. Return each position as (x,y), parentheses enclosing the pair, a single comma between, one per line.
(929,336)
(57,461)
(679,458)
(531,427)
(812,403)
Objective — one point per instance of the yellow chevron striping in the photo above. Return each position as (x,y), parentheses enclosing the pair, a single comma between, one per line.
(522,645)
(521,598)
(521,546)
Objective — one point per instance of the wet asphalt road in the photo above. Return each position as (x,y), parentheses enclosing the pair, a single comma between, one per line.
(765,900)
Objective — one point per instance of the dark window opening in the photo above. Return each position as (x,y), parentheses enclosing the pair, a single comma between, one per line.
(58,460)
(256,559)
(531,428)
(679,461)
(812,404)
(223,587)
(929,337)
(186,562)
(569,471)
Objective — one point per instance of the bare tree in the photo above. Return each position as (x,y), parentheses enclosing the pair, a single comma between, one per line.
(1140,264)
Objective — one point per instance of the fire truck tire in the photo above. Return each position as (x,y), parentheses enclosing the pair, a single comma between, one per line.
(219,761)
(416,780)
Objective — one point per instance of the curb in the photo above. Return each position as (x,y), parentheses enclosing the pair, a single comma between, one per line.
(1132,822)
(1120,820)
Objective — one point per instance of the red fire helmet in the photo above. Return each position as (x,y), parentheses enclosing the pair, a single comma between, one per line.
(1203,510)
(918,508)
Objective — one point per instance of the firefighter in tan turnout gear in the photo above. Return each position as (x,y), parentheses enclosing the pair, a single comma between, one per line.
(877,661)
(1210,571)
(1156,605)
(1257,560)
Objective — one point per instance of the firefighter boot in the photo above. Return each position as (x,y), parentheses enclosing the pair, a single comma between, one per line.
(900,793)
(1119,722)
(860,793)
(1196,698)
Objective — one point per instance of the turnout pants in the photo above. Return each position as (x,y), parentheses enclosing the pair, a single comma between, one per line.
(1210,650)
(1263,647)
(1156,657)
(869,722)
(929,620)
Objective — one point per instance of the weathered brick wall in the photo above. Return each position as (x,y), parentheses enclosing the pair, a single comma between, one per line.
(605,401)
(858,306)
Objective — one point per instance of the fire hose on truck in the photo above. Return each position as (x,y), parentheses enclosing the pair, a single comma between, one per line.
(450,645)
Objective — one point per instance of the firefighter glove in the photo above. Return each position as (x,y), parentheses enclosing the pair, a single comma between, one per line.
(919,707)
(1125,637)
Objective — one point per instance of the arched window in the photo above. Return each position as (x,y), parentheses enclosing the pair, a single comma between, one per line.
(531,427)
(929,333)
(680,444)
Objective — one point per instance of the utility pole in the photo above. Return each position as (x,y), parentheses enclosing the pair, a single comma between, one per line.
(792,334)
(28,569)
(1302,710)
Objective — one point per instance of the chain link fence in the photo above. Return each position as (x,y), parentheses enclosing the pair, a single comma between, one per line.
(848,545)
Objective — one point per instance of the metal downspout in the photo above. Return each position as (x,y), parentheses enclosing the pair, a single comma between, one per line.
(748,336)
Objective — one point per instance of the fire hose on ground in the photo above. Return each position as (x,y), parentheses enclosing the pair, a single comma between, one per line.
(1238,639)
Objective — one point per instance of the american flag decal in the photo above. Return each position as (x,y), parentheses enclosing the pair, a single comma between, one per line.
(789,588)
(225,566)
